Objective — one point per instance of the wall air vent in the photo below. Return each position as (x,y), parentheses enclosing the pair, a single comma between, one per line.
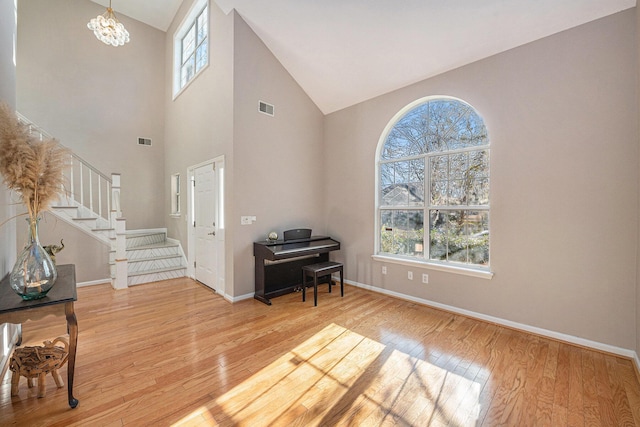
(265,108)
(144,141)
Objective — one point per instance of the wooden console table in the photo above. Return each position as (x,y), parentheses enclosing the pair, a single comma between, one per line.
(59,300)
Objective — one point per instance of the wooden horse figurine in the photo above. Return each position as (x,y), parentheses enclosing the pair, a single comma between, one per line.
(37,362)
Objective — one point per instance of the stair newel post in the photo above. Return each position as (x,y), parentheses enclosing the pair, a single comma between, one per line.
(121,261)
(72,188)
(81,184)
(115,211)
(108,196)
(91,190)
(100,213)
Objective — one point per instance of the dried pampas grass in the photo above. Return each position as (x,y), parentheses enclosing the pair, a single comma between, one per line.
(30,167)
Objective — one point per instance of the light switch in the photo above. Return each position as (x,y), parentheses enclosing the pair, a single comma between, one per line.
(247,220)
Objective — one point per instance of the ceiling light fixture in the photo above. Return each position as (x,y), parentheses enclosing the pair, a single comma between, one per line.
(108,29)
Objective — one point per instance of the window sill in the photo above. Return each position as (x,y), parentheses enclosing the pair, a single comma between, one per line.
(483,274)
(187,84)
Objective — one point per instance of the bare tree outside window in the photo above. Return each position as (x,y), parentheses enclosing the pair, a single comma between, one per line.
(434,165)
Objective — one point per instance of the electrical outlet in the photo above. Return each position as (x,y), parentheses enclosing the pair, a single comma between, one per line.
(384,269)
(425,278)
(410,275)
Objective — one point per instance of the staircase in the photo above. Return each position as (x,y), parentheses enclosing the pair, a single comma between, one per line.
(85,219)
(151,257)
(92,204)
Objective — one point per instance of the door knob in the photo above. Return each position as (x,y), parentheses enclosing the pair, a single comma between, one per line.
(213,233)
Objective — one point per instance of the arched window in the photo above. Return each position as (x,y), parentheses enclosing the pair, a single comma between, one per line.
(433,185)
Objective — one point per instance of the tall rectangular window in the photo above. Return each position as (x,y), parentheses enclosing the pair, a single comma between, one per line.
(175,194)
(191,46)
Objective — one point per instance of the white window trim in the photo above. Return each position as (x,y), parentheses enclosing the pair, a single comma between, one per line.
(184,26)
(432,265)
(466,270)
(175,191)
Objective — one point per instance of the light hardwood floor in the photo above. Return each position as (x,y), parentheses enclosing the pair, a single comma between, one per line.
(174,353)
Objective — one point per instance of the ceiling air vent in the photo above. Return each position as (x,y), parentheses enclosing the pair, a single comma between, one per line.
(144,141)
(265,108)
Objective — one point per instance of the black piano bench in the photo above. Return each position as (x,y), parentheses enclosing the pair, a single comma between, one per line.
(318,271)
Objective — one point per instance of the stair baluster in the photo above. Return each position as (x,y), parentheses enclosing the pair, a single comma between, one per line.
(151,256)
(81,172)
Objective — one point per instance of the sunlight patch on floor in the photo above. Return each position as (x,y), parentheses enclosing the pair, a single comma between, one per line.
(199,418)
(339,372)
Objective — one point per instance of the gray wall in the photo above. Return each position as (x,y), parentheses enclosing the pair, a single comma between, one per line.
(638,242)
(562,115)
(89,256)
(97,99)
(7,66)
(278,163)
(8,96)
(199,123)
(8,250)
(273,164)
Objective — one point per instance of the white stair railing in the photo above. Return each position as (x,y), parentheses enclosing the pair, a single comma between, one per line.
(99,193)
(86,185)
(90,188)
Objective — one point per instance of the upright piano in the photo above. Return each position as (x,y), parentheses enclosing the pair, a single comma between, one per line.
(279,263)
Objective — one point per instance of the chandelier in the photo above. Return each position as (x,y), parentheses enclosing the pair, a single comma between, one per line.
(108,29)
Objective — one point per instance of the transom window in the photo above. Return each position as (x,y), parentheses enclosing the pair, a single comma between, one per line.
(433,185)
(191,45)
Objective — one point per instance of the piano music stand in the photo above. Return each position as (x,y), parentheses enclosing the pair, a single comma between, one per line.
(298,233)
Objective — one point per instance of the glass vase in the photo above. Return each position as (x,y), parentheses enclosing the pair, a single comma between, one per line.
(34,274)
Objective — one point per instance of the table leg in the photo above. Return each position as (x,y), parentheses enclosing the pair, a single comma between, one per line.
(72,325)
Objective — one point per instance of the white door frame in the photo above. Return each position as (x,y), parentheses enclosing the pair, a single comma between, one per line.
(218,163)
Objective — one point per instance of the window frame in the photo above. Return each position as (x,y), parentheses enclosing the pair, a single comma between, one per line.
(175,195)
(190,21)
(468,269)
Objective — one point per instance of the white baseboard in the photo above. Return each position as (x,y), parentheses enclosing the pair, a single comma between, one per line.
(630,354)
(239,298)
(9,334)
(94,282)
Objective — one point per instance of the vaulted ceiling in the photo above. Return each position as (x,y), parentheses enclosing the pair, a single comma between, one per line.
(342,52)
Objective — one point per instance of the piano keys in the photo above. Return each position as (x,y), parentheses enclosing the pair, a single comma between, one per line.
(278,264)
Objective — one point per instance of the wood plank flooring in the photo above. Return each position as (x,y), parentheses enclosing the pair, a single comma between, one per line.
(173,353)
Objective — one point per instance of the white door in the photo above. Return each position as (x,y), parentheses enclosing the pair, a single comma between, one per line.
(205,218)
